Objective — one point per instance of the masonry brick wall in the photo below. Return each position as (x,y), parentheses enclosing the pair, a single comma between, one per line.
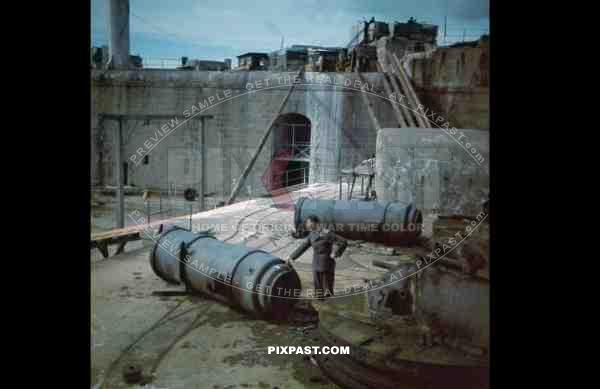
(237,126)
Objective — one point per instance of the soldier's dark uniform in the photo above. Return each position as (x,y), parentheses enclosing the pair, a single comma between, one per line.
(323,265)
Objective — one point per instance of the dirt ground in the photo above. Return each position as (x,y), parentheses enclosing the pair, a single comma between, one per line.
(226,349)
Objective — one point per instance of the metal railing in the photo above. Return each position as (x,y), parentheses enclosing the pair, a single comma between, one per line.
(161,63)
(447,33)
(172,204)
(453,39)
(301,150)
(295,177)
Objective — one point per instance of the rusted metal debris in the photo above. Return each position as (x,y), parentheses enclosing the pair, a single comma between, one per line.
(380,359)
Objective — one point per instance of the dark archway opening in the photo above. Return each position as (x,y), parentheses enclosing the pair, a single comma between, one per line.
(291,150)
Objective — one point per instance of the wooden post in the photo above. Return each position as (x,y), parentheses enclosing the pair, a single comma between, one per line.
(119,175)
(203,171)
(191,211)
(148,209)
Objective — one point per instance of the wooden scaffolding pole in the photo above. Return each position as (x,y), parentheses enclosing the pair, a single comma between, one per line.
(261,144)
(407,86)
(388,91)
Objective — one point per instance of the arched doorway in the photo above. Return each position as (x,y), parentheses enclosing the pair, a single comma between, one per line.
(291,148)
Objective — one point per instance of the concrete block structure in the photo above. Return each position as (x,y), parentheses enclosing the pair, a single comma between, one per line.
(454,81)
(438,170)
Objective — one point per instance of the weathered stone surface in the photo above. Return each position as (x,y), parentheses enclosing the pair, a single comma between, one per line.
(455,83)
(432,168)
(340,125)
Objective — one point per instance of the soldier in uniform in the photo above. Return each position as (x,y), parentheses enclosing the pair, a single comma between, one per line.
(323,264)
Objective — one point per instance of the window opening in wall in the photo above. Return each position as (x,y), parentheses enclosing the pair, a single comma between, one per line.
(145,161)
(293,132)
(186,166)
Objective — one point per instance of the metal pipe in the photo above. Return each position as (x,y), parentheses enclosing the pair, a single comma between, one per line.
(387,222)
(250,279)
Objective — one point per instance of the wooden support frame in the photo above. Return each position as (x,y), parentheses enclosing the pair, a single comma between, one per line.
(388,91)
(407,86)
(261,143)
(103,241)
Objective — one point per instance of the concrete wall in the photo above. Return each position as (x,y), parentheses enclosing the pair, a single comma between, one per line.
(335,112)
(433,169)
(454,82)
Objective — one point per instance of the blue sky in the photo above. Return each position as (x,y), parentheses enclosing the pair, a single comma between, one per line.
(218,29)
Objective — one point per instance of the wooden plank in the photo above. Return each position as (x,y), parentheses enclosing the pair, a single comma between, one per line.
(115,240)
(102,243)
(406,84)
(407,113)
(395,105)
(116,233)
(405,87)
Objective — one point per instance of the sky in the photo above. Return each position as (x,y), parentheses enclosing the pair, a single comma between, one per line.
(218,29)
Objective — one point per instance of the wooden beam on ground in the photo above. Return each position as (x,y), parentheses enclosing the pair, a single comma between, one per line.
(261,144)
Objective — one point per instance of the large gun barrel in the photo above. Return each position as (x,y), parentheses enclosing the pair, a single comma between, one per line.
(388,222)
(253,280)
